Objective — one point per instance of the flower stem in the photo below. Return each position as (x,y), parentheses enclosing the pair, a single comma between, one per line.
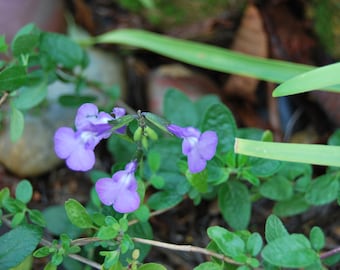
(329,253)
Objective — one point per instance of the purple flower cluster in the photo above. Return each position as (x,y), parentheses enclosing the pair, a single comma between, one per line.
(198,147)
(77,146)
(120,191)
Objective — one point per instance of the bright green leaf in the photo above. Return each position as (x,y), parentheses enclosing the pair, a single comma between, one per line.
(208,266)
(107,233)
(3,44)
(42,252)
(16,123)
(306,153)
(151,266)
(229,243)
(30,96)
(24,191)
(37,217)
(17,244)
(317,238)
(290,251)
(24,44)
(274,228)
(234,203)
(254,244)
(77,214)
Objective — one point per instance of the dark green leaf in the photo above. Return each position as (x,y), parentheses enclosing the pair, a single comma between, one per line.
(277,188)
(199,180)
(164,199)
(154,160)
(179,109)
(317,238)
(274,228)
(334,139)
(262,167)
(296,205)
(77,214)
(234,203)
(75,100)
(24,191)
(12,78)
(219,118)
(157,121)
(30,96)
(3,44)
(62,50)
(290,251)
(229,243)
(17,123)
(17,244)
(322,190)
(217,173)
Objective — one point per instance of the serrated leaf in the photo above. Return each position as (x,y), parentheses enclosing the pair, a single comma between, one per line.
(229,243)
(17,124)
(290,251)
(274,228)
(179,109)
(24,191)
(17,244)
(220,119)
(12,78)
(322,190)
(234,203)
(77,214)
(277,188)
(317,238)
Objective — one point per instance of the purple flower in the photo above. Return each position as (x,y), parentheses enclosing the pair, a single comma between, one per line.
(77,147)
(119,112)
(120,191)
(198,147)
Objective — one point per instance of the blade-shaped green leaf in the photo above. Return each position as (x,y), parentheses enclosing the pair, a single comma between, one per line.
(17,123)
(206,56)
(319,78)
(305,153)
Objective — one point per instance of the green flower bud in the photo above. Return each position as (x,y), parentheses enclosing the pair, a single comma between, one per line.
(138,134)
(151,133)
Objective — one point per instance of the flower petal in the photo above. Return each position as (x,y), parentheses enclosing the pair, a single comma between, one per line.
(127,201)
(176,130)
(85,111)
(64,142)
(207,144)
(106,190)
(81,159)
(195,162)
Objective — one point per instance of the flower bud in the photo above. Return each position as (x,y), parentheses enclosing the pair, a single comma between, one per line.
(151,133)
(138,134)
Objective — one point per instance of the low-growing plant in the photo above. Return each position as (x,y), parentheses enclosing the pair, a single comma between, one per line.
(194,151)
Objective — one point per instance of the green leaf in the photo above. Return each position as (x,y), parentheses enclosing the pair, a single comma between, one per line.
(151,266)
(306,153)
(277,188)
(37,217)
(229,243)
(157,121)
(254,244)
(290,251)
(164,199)
(154,160)
(317,238)
(107,232)
(26,264)
(234,203)
(318,78)
(3,44)
(198,180)
(296,205)
(24,191)
(179,109)
(18,219)
(221,120)
(77,214)
(65,51)
(42,252)
(203,55)
(30,96)
(334,139)
(76,100)
(24,44)
(12,78)
(208,266)
(17,244)
(263,167)
(57,221)
(205,102)
(17,123)
(274,228)
(322,190)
